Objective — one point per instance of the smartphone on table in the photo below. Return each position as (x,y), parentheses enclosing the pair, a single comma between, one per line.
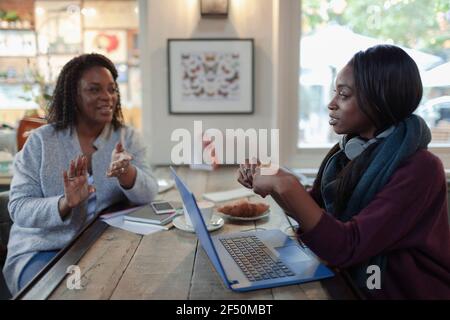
(161,207)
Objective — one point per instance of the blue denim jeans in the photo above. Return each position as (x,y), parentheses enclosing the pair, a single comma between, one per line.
(36,264)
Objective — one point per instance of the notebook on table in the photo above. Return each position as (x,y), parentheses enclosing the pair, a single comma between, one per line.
(253,260)
(146,214)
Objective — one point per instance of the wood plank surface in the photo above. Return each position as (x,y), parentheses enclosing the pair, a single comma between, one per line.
(102,266)
(162,266)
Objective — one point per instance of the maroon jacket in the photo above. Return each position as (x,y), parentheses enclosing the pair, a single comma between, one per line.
(407,221)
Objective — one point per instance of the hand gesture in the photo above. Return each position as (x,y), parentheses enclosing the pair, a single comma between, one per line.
(120,161)
(269,184)
(249,175)
(76,187)
(246,172)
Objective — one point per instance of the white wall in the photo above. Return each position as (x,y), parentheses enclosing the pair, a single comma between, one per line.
(276,65)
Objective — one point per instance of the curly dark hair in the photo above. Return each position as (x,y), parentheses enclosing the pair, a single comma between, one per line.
(62,109)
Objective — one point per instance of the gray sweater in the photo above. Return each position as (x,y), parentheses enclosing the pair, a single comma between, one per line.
(37,186)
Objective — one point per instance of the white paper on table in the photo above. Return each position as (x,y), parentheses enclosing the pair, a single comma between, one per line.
(135,227)
(228,195)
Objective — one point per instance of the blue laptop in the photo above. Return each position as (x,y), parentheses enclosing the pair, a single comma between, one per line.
(254,260)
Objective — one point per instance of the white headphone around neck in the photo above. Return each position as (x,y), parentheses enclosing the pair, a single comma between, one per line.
(355,146)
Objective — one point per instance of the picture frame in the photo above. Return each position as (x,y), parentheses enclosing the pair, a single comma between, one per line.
(109,42)
(210,76)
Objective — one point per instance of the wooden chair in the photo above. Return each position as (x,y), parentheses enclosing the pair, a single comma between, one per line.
(26,125)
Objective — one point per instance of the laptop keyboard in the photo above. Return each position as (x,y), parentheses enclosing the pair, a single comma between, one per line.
(250,253)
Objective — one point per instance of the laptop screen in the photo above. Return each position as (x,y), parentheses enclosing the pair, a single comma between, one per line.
(199,225)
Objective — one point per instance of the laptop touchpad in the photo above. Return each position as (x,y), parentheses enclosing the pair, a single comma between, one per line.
(292,254)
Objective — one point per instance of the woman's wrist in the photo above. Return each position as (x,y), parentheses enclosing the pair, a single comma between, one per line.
(285,184)
(300,205)
(64,207)
(128,178)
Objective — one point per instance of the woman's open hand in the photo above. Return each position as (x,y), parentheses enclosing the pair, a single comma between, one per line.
(76,187)
(121,168)
(120,161)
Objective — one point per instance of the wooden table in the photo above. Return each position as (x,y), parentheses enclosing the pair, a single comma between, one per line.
(172,265)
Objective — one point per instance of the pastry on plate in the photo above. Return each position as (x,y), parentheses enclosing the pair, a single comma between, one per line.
(244,209)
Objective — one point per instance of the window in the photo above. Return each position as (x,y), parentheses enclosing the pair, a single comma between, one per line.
(333,30)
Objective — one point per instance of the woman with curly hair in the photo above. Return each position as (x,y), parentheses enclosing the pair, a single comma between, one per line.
(84,160)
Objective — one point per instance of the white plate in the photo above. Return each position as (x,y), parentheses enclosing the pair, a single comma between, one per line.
(216,223)
(265,214)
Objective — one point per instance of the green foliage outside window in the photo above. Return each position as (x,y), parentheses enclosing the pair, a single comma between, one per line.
(418,24)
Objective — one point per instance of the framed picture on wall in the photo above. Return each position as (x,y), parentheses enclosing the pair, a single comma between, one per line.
(211,76)
(111,43)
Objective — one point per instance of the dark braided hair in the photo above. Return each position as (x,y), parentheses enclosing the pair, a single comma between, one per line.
(63,107)
(388,89)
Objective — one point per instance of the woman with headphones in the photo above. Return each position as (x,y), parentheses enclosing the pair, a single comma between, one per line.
(379,203)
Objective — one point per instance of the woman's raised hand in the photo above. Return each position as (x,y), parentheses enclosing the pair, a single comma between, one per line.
(246,172)
(121,168)
(76,187)
(120,161)
(249,175)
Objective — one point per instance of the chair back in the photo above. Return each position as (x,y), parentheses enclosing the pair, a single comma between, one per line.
(26,125)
